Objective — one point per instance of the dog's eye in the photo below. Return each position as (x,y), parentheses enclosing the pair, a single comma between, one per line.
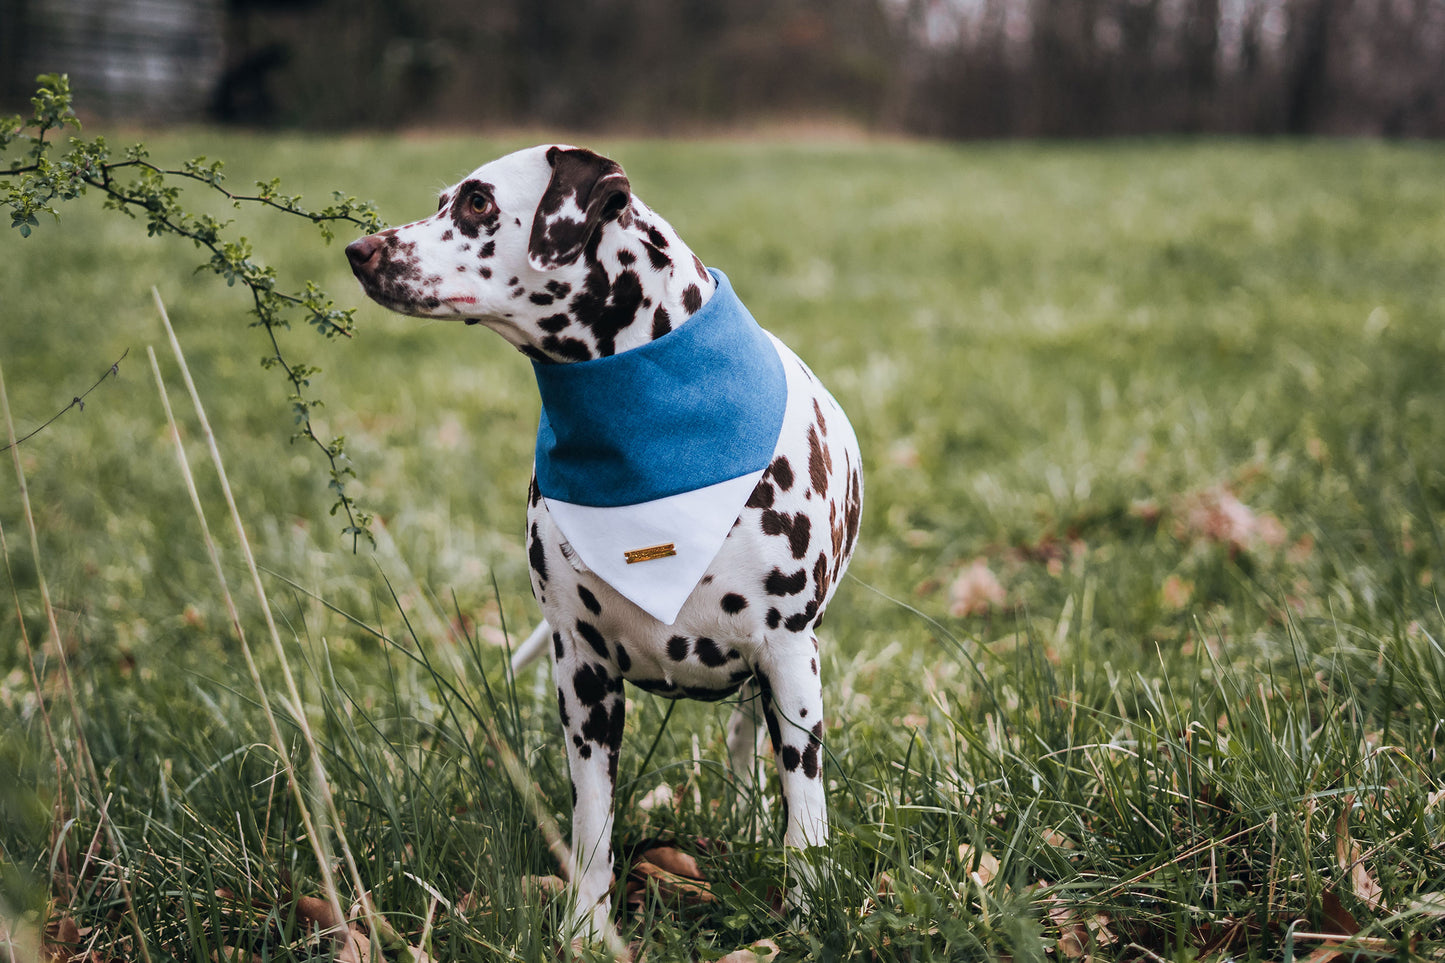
(480,204)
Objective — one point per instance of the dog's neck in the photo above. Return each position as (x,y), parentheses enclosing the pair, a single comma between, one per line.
(641,281)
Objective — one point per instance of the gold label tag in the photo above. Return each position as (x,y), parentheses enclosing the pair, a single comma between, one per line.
(648,554)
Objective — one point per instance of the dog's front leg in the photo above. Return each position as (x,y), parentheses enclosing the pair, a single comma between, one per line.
(793,709)
(591,705)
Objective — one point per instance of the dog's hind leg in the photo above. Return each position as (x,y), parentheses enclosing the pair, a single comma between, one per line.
(792,706)
(745,742)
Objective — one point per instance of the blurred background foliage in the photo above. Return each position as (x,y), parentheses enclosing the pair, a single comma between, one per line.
(945,68)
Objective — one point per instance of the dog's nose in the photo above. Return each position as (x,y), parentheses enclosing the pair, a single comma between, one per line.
(362,253)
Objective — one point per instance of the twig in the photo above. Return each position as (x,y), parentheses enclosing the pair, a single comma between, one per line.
(77,402)
(36,186)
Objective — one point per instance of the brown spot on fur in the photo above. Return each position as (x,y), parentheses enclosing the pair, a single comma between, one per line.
(817,461)
(811,767)
(607,306)
(566,349)
(779,584)
(656,256)
(692,298)
(796,527)
(781,472)
(762,496)
(855,508)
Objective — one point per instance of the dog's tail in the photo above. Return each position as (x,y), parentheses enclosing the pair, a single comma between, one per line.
(531,648)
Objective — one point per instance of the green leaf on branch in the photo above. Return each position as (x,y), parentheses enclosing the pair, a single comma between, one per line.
(134,186)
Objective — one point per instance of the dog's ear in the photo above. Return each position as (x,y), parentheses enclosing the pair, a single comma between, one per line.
(586,191)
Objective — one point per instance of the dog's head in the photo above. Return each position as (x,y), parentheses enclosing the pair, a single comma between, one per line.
(549,247)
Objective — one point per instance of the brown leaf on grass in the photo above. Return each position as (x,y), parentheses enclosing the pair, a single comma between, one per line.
(976,591)
(1077,933)
(673,861)
(1325,953)
(1429,904)
(352,945)
(670,887)
(1057,839)
(987,863)
(355,946)
(1338,920)
(1073,935)
(760,952)
(1347,853)
(352,942)
(234,954)
(62,939)
(543,886)
(1176,593)
(659,797)
(312,909)
(1216,515)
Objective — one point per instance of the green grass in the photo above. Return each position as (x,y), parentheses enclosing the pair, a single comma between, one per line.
(1159,744)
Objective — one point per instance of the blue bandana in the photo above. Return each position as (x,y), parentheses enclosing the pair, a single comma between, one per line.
(700,405)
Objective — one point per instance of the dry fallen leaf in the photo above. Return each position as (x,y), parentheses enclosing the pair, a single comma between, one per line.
(1429,904)
(315,910)
(1055,838)
(543,885)
(1216,515)
(659,797)
(1077,934)
(987,863)
(976,591)
(1073,935)
(1338,920)
(62,939)
(670,886)
(234,954)
(355,947)
(1324,953)
(1347,853)
(1176,593)
(759,952)
(673,860)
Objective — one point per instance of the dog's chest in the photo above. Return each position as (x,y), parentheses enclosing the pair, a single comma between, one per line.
(775,572)
(705,653)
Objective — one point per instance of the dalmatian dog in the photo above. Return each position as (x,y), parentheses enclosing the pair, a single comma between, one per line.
(696,492)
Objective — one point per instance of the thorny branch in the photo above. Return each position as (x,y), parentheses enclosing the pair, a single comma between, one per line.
(77,402)
(139,189)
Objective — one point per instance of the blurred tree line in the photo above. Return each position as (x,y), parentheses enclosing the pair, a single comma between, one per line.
(949,68)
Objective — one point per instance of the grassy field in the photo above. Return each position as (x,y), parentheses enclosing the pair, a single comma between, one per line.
(1142,657)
